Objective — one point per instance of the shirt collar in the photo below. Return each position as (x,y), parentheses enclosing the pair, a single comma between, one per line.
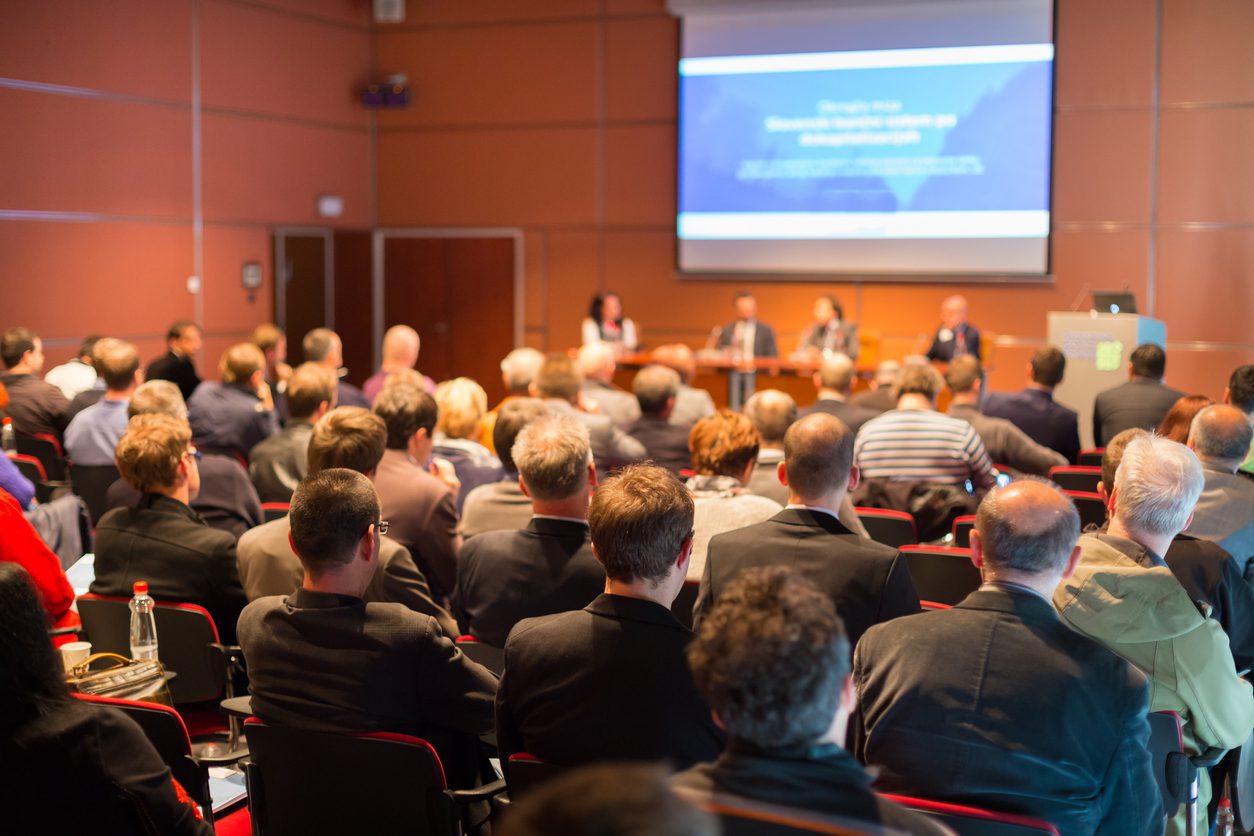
(1010,586)
(815,508)
(582,522)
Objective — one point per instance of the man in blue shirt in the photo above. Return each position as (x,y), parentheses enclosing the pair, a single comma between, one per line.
(93,434)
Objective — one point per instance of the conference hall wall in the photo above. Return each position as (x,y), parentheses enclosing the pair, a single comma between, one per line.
(146,141)
(558,118)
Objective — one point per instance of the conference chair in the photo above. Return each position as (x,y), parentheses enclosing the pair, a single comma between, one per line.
(962,530)
(306,782)
(492,658)
(46,448)
(941,574)
(892,528)
(975,821)
(1091,506)
(524,772)
(1175,770)
(33,469)
(740,816)
(1091,458)
(274,510)
(685,601)
(1076,478)
(92,482)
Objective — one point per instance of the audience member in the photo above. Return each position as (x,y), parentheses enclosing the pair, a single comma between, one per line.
(996,702)
(233,416)
(834,382)
(548,567)
(596,363)
(277,464)
(325,658)
(458,431)
(322,345)
(421,508)
(1034,410)
(20,544)
(503,504)
(1121,596)
(621,656)
(830,334)
(93,433)
(558,382)
(868,582)
(178,364)
(879,397)
(666,444)
(724,448)
(1240,393)
(34,406)
(606,325)
(1178,421)
(78,374)
(71,767)
(352,438)
(162,540)
(401,346)
(691,405)
(1005,443)
(1142,401)
(955,336)
(772,660)
(1221,437)
(518,370)
(273,344)
(771,412)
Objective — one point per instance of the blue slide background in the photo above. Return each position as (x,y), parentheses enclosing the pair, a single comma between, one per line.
(1003,118)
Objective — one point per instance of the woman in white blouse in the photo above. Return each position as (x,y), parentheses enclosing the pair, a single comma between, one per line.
(605,323)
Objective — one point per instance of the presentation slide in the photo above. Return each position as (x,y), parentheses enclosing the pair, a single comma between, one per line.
(920,160)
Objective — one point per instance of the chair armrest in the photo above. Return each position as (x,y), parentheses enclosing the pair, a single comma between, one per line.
(484,793)
(1209,758)
(237,706)
(228,759)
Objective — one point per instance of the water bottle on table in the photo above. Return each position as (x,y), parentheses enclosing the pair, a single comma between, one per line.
(143,624)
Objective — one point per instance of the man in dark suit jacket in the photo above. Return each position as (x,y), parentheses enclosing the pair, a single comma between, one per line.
(955,336)
(35,405)
(323,659)
(621,657)
(834,382)
(234,416)
(178,364)
(547,567)
(746,332)
(999,704)
(1034,411)
(656,388)
(162,540)
(867,581)
(1142,401)
(322,345)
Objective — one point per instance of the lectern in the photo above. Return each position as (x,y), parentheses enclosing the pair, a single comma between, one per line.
(1097,347)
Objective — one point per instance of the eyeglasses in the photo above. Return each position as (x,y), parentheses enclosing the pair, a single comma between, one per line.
(194,453)
(382,526)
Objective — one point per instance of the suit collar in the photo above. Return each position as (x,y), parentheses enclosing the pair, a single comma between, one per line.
(558,528)
(1029,608)
(168,505)
(633,609)
(811,519)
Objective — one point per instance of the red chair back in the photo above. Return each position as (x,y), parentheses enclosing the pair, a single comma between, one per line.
(976,821)
(942,575)
(892,528)
(1091,458)
(524,772)
(1091,506)
(47,449)
(274,510)
(1076,477)
(962,530)
(30,467)
(492,658)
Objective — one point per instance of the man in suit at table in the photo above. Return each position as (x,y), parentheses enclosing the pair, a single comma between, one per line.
(1034,410)
(746,339)
(955,336)
(867,581)
(1142,401)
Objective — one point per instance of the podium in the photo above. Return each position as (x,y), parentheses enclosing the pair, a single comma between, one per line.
(1097,347)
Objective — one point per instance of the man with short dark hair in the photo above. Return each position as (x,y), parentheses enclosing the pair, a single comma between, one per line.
(322,345)
(1240,393)
(834,382)
(547,567)
(1140,402)
(1221,436)
(79,374)
(996,703)
(772,661)
(323,658)
(353,438)
(867,581)
(558,383)
(503,504)
(35,406)
(93,434)
(691,404)
(178,364)
(609,681)
(277,464)
(234,416)
(1035,411)
(666,444)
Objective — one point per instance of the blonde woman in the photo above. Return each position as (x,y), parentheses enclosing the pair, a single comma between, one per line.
(458,435)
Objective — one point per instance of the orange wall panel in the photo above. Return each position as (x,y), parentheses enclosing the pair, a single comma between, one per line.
(1206,168)
(572,282)
(1105,53)
(1206,51)
(229,308)
(355,13)
(1205,288)
(535,246)
(639,174)
(1102,166)
(490,12)
(642,75)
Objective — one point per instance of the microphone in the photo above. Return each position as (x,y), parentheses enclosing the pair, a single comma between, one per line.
(716,333)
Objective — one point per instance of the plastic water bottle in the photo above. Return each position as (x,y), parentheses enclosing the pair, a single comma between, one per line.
(143,624)
(1225,821)
(8,440)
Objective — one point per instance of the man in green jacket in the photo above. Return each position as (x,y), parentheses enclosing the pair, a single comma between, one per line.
(1123,595)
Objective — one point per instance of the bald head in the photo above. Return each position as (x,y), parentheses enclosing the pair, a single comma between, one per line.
(679,357)
(1221,436)
(596,362)
(772,412)
(836,374)
(954,311)
(1029,527)
(818,456)
(400,347)
(519,368)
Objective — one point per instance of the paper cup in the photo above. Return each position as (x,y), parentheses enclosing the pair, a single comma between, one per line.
(74,652)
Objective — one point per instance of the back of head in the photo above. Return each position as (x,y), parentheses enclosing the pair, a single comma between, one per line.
(723,444)
(16,342)
(886,372)
(401,345)
(116,361)
(310,385)
(653,386)
(1029,526)
(157,397)
(267,336)
(676,356)
(1157,483)
(509,423)
(558,378)
(178,328)
(240,362)
(1113,454)
(608,800)
(1241,389)
(1221,434)
(771,657)
(552,455)
(639,520)
(818,455)
(1176,423)
(318,345)
(405,410)
(595,360)
(962,374)
(1048,366)
(347,436)
(520,367)
(331,511)
(918,379)
(149,452)
(87,348)
(771,412)
(1149,360)
(32,680)
(461,403)
(836,373)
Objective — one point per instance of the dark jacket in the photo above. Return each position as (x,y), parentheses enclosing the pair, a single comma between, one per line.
(609,681)
(277,464)
(1043,420)
(851,414)
(227,500)
(763,338)
(34,406)
(966,335)
(226,418)
(1212,577)
(996,703)
(506,576)
(867,581)
(180,371)
(664,443)
(1140,402)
